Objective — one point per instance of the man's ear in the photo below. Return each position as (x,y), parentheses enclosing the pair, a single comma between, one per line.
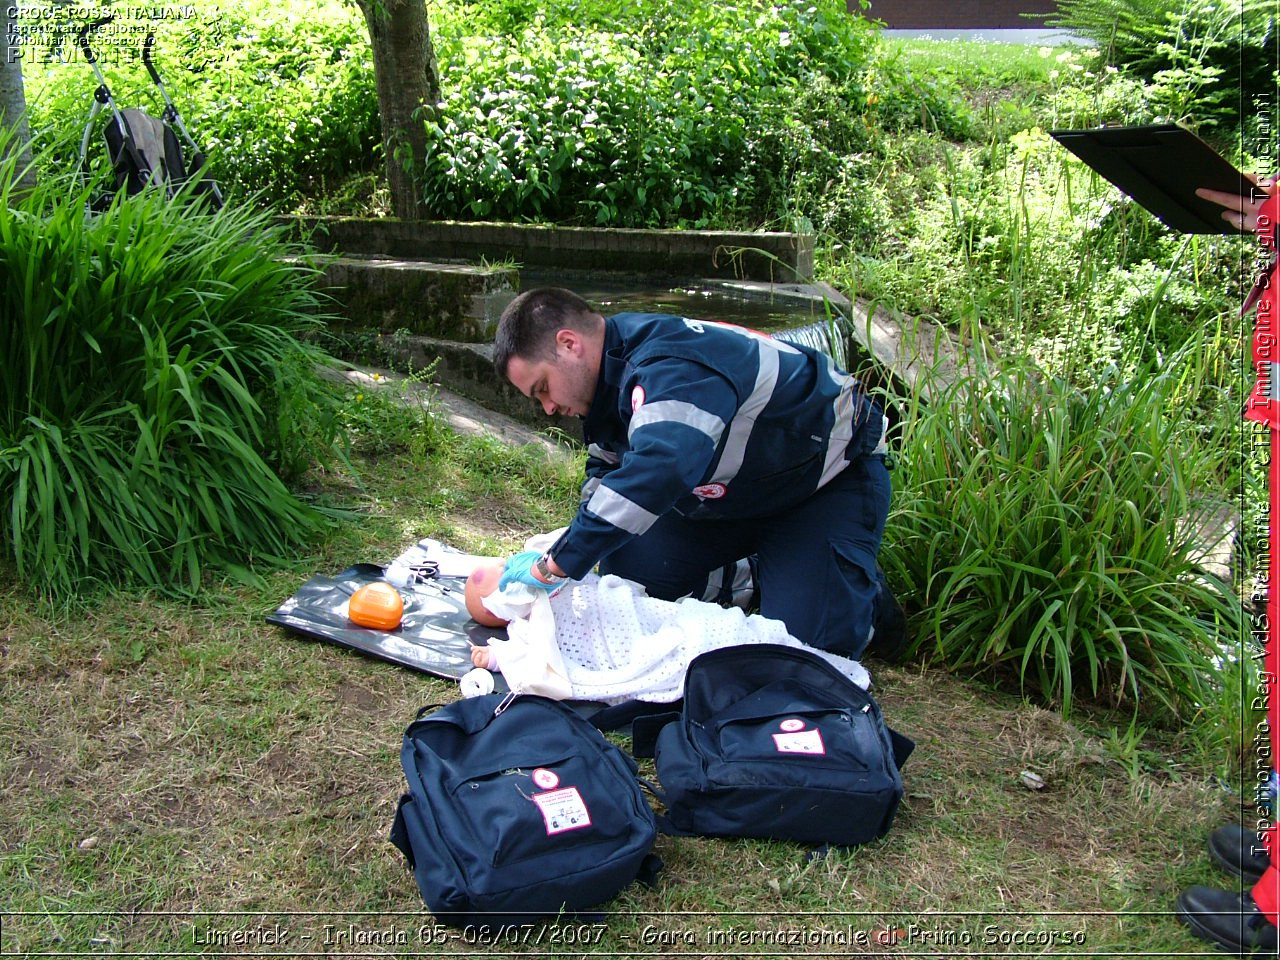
(570,340)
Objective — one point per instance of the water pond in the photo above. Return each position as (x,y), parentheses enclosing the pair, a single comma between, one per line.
(798,320)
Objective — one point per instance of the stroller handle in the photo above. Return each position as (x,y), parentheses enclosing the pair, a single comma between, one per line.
(82,38)
(146,58)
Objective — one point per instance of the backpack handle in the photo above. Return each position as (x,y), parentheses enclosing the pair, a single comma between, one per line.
(644,718)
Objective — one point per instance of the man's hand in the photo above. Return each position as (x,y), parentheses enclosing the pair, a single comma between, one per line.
(519,569)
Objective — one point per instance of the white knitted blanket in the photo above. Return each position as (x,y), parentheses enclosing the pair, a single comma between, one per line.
(604,639)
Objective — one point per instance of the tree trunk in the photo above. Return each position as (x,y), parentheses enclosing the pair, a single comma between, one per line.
(404,65)
(14,133)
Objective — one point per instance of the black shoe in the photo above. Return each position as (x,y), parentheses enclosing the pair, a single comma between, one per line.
(1239,851)
(1230,920)
(889,634)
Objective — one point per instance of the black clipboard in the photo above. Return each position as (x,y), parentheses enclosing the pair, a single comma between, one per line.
(1160,167)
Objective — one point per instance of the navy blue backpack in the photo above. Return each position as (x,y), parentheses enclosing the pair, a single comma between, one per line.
(518,809)
(775,742)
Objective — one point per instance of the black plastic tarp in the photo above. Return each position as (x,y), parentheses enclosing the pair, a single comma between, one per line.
(436,632)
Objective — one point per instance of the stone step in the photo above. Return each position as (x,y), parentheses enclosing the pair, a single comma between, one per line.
(463,368)
(676,254)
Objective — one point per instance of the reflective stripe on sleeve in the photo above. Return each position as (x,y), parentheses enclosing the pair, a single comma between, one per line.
(842,430)
(843,411)
(677,411)
(612,507)
(882,447)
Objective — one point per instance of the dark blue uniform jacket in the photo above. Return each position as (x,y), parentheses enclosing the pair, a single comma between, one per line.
(710,420)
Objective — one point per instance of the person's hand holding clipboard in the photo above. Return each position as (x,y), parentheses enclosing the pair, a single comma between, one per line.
(1171,172)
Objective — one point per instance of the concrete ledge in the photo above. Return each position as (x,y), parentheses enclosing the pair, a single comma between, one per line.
(914,355)
(778,257)
(904,354)
(455,301)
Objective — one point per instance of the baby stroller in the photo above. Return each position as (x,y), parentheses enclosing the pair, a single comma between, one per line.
(142,149)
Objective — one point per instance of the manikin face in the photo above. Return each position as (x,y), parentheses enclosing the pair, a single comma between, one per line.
(563,385)
(482,582)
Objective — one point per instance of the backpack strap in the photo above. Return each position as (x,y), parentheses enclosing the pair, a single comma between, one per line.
(664,822)
(619,715)
(400,833)
(902,747)
(650,867)
(645,730)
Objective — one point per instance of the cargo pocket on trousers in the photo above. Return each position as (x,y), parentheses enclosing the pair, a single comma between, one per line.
(853,582)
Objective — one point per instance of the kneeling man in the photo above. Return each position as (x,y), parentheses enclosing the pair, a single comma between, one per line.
(709,443)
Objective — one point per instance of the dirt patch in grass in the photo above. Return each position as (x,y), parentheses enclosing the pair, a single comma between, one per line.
(491,518)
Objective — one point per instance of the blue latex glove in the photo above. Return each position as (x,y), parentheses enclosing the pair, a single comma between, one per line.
(519,569)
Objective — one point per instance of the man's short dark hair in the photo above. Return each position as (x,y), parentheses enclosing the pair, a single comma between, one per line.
(528,326)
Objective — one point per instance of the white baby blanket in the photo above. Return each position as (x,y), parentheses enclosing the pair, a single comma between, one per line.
(604,639)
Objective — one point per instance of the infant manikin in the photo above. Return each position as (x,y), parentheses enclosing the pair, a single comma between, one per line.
(604,639)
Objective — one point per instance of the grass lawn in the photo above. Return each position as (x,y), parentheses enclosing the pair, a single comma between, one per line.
(1001,81)
(976,63)
(184,778)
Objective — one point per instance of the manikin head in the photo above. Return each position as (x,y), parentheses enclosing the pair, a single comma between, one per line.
(482,582)
(549,345)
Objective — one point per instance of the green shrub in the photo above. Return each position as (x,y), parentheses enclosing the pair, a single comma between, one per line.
(280,98)
(656,113)
(824,149)
(1085,91)
(295,107)
(154,390)
(1022,239)
(1039,528)
(1204,58)
(660,115)
(901,95)
(575,125)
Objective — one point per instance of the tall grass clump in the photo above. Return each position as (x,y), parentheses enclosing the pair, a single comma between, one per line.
(1041,531)
(154,390)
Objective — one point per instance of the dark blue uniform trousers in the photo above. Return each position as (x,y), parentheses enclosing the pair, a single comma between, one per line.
(816,564)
